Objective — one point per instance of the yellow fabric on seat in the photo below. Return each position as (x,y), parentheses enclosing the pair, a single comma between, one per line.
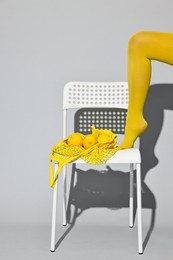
(64,153)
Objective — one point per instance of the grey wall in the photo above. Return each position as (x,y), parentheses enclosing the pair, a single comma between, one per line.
(43,45)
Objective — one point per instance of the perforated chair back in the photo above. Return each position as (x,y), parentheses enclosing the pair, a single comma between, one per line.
(102,118)
(95,94)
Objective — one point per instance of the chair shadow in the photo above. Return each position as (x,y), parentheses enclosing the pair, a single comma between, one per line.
(109,188)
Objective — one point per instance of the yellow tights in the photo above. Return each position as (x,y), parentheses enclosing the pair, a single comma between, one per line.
(143,47)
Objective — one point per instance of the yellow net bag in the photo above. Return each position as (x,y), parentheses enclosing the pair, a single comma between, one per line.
(99,153)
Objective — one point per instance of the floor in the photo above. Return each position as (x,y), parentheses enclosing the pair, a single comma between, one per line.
(99,231)
(83,242)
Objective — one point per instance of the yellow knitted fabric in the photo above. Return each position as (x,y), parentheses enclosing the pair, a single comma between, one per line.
(99,153)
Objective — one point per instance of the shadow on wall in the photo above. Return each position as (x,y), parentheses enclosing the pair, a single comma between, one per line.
(110,188)
(160,98)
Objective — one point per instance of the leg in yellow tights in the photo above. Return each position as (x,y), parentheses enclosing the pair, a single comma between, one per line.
(143,47)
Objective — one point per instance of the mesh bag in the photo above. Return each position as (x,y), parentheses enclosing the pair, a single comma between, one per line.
(64,153)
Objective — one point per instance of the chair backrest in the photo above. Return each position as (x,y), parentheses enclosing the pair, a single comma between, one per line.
(95,94)
(103,104)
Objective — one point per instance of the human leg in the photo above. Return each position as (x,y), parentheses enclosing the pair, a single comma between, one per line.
(143,47)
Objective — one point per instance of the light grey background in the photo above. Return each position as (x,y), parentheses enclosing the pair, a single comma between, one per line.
(43,45)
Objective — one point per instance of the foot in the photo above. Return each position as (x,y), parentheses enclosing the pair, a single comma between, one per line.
(132,131)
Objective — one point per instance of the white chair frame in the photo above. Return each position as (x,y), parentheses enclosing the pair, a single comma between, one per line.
(108,95)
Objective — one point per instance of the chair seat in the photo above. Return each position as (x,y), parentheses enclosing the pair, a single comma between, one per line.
(131,155)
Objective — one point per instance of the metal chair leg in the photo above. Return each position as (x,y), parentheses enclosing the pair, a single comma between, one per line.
(139,207)
(54,212)
(64,198)
(131,200)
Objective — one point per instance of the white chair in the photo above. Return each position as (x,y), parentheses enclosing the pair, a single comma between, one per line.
(102,95)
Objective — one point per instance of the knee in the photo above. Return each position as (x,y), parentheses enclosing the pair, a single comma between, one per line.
(137,41)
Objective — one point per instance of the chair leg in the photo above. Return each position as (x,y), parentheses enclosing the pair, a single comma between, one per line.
(54,211)
(64,198)
(131,195)
(139,207)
